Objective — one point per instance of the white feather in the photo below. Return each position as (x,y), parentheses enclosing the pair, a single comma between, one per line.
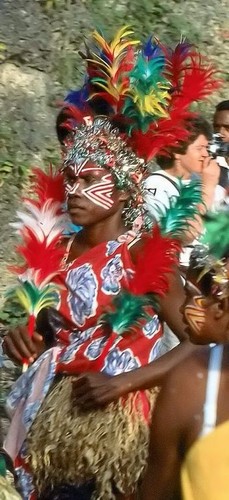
(44,222)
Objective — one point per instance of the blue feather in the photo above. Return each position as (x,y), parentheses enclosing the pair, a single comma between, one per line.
(152,50)
(77,97)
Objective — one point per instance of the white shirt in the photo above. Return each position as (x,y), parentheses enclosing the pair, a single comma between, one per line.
(160,187)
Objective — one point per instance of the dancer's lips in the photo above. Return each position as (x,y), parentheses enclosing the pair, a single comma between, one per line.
(75,208)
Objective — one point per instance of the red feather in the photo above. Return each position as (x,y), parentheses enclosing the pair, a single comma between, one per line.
(47,186)
(166,133)
(198,83)
(41,257)
(72,112)
(176,61)
(194,79)
(159,256)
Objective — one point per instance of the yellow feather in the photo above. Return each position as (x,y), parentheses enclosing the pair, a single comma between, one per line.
(152,103)
(24,299)
(7,491)
(112,82)
(100,40)
(124,32)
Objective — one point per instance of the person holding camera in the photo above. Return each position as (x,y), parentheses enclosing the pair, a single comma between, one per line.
(188,160)
(181,164)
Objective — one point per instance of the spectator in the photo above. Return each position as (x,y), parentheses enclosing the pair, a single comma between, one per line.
(184,162)
(221,126)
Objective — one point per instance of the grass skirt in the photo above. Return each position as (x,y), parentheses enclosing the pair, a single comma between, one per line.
(110,445)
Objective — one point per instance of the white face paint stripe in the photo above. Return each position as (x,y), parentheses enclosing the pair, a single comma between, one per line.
(77,169)
(69,189)
(101,193)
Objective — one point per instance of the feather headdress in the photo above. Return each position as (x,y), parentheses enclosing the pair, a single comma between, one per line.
(135,101)
(211,256)
(146,88)
(40,225)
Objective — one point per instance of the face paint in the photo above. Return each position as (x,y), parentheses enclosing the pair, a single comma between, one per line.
(195,314)
(71,188)
(99,193)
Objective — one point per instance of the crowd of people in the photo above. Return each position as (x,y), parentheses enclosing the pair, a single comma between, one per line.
(121,400)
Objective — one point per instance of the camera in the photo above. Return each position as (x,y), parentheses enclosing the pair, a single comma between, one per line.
(217,147)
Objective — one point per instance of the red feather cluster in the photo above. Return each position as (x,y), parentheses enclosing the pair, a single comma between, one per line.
(43,258)
(158,257)
(48,186)
(40,226)
(193,79)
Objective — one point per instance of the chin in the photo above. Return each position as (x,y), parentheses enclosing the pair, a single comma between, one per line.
(198,170)
(78,220)
(198,339)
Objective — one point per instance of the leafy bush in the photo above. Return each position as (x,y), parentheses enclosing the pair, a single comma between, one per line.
(12,313)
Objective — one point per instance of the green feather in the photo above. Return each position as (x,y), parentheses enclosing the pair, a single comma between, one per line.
(182,208)
(33,299)
(147,98)
(216,234)
(2,466)
(128,311)
(147,73)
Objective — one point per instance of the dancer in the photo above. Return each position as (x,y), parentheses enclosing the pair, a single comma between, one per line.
(107,317)
(192,411)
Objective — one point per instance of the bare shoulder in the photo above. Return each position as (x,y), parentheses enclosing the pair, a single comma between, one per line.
(182,393)
(189,370)
(174,425)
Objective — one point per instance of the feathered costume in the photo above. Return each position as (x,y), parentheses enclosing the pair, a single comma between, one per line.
(209,260)
(40,227)
(7,489)
(132,105)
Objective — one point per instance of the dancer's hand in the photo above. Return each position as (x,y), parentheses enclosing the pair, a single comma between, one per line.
(18,345)
(92,390)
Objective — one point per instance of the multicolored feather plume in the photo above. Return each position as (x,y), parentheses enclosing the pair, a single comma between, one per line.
(40,225)
(148,93)
(109,65)
(147,90)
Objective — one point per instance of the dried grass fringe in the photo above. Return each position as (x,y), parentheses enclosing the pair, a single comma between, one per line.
(110,444)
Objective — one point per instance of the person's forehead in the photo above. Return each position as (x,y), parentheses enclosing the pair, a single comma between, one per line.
(86,167)
(201,140)
(221,117)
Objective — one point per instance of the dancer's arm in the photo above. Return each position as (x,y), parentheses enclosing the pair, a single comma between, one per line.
(97,389)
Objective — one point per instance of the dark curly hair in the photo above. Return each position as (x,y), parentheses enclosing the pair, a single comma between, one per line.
(196,126)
